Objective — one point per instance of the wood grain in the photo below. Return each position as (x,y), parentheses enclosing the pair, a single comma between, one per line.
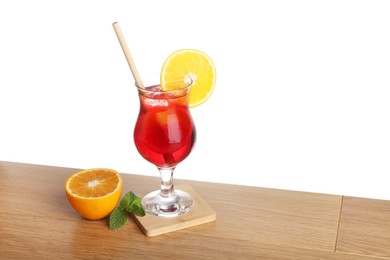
(269,216)
(36,221)
(365,227)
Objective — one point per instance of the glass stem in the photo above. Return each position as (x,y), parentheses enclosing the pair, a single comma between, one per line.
(166,189)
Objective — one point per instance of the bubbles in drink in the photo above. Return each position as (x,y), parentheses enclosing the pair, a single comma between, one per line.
(156,102)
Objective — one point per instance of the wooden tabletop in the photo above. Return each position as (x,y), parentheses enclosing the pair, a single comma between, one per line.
(36,221)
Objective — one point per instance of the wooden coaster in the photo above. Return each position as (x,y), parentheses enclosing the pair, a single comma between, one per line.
(200,213)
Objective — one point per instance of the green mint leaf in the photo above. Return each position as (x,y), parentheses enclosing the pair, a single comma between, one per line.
(127,200)
(117,218)
(130,203)
(136,208)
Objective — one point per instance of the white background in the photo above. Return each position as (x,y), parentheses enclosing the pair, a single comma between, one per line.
(301,100)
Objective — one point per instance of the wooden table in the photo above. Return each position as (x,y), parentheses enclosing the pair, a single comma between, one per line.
(36,221)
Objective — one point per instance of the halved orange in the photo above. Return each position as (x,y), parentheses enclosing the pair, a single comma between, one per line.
(94,193)
(194,64)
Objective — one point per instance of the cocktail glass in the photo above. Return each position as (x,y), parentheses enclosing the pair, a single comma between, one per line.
(164,135)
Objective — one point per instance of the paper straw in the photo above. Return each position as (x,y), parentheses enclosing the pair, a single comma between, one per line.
(128,56)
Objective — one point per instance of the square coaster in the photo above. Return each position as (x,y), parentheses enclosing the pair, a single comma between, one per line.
(200,213)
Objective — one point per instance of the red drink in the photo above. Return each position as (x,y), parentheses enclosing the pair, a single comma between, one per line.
(164,133)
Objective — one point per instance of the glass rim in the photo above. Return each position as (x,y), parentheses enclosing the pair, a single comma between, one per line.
(187,83)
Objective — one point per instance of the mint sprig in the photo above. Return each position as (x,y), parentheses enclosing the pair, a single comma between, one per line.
(117,218)
(130,203)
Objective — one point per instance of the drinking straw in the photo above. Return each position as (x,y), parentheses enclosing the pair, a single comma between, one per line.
(128,56)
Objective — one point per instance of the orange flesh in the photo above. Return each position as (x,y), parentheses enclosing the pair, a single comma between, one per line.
(93,184)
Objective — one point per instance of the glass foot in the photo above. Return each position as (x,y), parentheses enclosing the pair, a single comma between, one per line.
(172,206)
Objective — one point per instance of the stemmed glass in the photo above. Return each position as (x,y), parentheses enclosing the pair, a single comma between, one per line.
(164,135)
